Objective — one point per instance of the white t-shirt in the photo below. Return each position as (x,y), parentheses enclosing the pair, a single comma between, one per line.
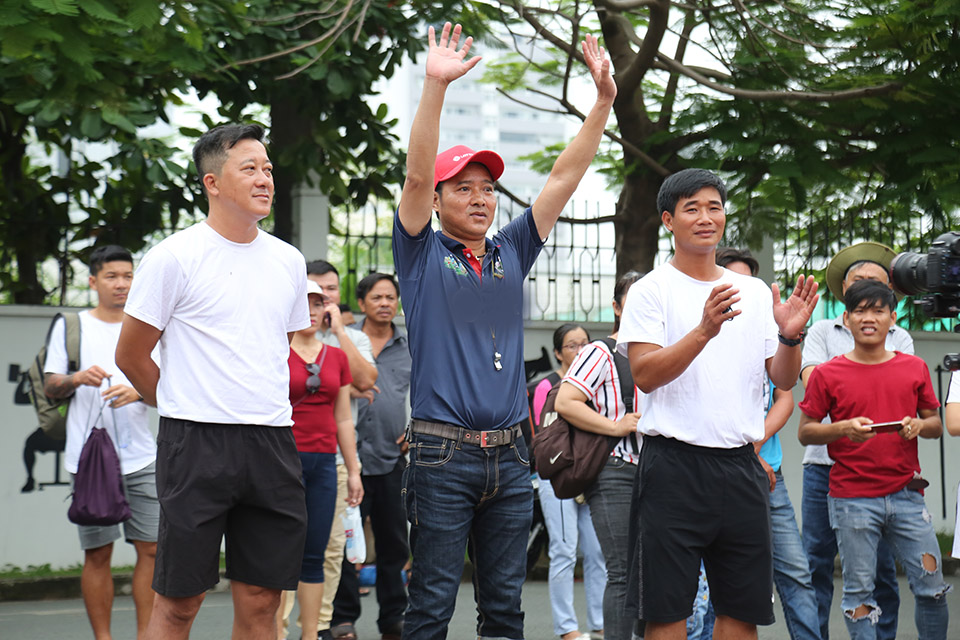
(127,425)
(225,309)
(718,400)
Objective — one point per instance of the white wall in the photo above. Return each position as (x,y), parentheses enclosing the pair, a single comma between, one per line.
(35,529)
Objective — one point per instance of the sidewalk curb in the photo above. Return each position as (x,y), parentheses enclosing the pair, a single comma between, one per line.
(67,587)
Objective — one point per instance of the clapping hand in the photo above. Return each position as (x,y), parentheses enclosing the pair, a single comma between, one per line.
(793,314)
(444,62)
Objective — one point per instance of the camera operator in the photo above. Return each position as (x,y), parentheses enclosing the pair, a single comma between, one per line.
(827,339)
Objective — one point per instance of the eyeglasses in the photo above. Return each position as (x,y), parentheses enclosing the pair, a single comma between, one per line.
(313,382)
(574,346)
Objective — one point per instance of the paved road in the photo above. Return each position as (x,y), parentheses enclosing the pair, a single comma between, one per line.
(66,619)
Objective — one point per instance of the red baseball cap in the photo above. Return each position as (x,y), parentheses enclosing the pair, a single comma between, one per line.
(453,160)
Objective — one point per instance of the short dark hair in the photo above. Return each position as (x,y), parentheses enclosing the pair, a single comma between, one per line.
(210,151)
(620,290)
(727,255)
(872,292)
(320,267)
(561,333)
(108,253)
(365,285)
(684,184)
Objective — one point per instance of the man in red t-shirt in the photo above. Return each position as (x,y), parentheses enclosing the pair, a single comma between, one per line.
(874,398)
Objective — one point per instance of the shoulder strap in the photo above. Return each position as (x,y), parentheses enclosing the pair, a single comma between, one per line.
(72,337)
(623,372)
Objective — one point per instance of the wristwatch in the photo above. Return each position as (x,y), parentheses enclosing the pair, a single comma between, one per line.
(791,342)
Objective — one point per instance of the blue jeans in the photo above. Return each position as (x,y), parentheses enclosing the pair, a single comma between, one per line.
(821,547)
(701,608)
(791,570)
(456,496)
(568,524)
(609,499)
(903,520)
(320,493)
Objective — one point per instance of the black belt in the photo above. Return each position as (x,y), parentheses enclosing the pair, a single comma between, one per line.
(493,438)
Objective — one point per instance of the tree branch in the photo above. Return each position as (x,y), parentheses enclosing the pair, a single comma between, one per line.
(808,96)
(670,93)
(335,29)
(650,45)
(806,43)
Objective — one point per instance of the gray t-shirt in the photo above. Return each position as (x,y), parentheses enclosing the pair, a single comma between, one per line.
(383,421)
(828,339)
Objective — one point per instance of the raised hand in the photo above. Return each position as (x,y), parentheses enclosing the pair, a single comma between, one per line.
(599,66)
(444,62)
(793,314)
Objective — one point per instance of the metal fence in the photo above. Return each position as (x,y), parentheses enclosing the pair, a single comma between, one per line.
(572,279)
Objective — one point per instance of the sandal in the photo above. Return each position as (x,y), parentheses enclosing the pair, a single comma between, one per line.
(344,631)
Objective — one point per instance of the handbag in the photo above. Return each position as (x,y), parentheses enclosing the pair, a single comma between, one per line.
(571,458)
(98,493)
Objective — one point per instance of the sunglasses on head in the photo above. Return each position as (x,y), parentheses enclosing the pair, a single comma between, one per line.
(313,382)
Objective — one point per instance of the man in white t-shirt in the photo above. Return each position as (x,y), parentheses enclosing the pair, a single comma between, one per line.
(100,395)
(223,299)
(701,340)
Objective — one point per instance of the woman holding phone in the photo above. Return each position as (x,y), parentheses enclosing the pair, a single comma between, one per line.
(320,395)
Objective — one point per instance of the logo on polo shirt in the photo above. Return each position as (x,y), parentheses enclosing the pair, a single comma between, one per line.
(454,265)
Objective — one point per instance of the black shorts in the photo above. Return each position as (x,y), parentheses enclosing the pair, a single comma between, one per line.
(242,482)
(698,503)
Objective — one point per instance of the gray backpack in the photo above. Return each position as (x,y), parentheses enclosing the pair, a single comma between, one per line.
(51,412)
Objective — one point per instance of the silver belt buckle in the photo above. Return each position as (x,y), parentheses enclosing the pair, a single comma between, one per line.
(483,439)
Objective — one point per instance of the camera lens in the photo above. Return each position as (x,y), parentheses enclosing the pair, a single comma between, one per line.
(908,271)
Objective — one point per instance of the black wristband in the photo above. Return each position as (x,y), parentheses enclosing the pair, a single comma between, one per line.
(791,342)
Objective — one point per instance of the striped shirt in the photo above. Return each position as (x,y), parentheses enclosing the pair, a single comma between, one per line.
(595,374)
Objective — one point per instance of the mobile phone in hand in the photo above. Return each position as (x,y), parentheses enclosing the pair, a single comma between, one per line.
(886,427)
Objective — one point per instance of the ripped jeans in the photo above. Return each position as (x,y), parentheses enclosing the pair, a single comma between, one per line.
(902,519)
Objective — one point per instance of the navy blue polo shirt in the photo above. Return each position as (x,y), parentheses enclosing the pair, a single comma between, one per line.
(457,320)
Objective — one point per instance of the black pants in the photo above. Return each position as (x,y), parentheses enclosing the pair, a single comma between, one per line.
(381,501)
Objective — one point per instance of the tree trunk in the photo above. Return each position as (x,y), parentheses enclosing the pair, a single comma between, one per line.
(638,224)
(288,128)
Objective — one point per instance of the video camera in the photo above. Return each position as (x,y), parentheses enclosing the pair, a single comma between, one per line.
(935,275)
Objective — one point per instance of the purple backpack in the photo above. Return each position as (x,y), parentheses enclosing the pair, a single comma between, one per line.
(98,495)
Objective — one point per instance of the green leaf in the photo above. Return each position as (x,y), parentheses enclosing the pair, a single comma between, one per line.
(101,10)
(92,125)
(119,120)
(12,14)
(57,7)
(144,13)
(28,107)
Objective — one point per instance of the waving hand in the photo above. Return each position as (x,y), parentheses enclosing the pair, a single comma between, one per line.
(444,62)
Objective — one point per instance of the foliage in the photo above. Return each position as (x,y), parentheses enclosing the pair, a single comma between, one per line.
(833,121)
(78,78)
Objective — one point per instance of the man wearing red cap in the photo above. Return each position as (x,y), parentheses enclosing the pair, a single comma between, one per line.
(468,480)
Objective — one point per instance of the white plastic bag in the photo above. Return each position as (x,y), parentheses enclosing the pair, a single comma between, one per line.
(356,545)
